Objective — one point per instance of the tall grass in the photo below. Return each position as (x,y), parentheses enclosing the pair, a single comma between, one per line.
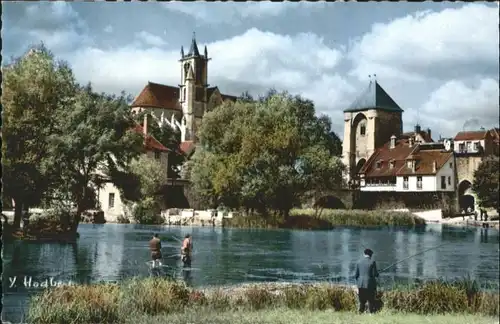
(104,303)
(327,219)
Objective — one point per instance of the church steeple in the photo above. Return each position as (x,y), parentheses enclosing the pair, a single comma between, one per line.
(193,50)
(182,52)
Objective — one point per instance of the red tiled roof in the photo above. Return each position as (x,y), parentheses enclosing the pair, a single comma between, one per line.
(471,136)
(151,143)
(157,95)
(495,133)
(187,147)
(425,161)
(385,154)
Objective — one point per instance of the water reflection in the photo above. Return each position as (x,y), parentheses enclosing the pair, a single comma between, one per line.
(227,256)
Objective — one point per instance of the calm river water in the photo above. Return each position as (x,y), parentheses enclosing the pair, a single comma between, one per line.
(229,256)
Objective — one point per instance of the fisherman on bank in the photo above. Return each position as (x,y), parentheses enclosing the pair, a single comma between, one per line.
(366,272)
(186,250)
(155,247)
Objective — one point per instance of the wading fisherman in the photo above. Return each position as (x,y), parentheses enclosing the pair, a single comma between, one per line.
(155,247)
(186,250)
(366,272)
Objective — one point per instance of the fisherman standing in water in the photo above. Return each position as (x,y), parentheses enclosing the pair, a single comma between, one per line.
(366,272)
(186,250)
(155,247)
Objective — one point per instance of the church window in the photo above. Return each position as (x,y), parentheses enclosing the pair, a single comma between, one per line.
(184,94)
(362,129)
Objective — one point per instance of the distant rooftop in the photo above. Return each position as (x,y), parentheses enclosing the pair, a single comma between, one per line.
(374,97)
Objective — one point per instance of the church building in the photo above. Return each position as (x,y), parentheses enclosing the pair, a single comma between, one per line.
(183,106)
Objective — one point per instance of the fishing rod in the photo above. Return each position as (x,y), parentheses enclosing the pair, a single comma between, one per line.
(413,255)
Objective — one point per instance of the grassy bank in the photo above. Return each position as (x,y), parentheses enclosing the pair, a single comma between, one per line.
(154,299)
(327,219)
(291,316)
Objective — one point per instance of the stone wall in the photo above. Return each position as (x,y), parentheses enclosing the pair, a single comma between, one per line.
(466,165)
(411,200)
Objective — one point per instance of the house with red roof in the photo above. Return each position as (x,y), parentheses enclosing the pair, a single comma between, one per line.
(108,195)
(183,106)
(407,164)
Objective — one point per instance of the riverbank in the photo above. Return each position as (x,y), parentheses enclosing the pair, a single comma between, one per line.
(154,300)
(290,316)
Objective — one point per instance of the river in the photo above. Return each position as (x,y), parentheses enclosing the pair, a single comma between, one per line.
(113,252)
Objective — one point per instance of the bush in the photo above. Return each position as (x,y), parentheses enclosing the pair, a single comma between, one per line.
(147,212)
(105,303)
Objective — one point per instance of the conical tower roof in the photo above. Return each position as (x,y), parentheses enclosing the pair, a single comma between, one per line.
(374,97)
(193,50)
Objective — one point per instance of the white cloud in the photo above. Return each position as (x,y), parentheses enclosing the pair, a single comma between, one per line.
(108,29)
(56,24)
(253,61)
(230,12)
(150,39)
(452,43)
(455,103)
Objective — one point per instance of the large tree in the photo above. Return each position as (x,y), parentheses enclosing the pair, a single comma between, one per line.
(35,89)
(264,154)
(94,131)
(486,183)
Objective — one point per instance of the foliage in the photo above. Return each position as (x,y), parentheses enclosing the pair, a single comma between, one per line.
(35,89)
(308,219)
(95,130)
(264,155)
(105,303)
(486,182)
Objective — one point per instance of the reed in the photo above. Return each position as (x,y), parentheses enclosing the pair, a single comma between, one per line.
(327,219)
(105,303)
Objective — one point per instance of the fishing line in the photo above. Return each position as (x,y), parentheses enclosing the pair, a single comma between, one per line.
(413,255)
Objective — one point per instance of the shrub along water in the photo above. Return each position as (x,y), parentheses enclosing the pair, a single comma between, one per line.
(327,219)
(112,303)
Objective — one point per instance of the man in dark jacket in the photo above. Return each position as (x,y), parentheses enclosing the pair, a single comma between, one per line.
(366,272)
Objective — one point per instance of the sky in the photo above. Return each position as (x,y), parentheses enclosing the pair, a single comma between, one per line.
(438,61)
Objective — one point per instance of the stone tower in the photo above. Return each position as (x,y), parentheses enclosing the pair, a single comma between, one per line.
(369,123)
(193,89)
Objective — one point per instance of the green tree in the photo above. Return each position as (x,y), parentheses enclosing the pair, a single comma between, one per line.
(35,89)
(95,130)
(265,154)
(486,181)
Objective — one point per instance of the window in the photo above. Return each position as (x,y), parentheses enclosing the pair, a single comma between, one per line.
(419,182)
(443,182)
(476,146)
(157,155)
(111,200)
(469,146)
(461,147)
(409,164)
(379,164)
(183,94)
(405,182)
(362,129)
(451,165)
(392,164)
(449,181)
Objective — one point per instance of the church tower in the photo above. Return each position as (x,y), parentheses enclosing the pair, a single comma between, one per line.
(369,123)
(193,89)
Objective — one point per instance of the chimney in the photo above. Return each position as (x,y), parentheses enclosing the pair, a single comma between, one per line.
(429,132)
(411,141)
(434,166)
(417,128)
(414,165)
(393,141)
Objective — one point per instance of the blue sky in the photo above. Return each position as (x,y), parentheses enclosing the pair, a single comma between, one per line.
(439,61)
